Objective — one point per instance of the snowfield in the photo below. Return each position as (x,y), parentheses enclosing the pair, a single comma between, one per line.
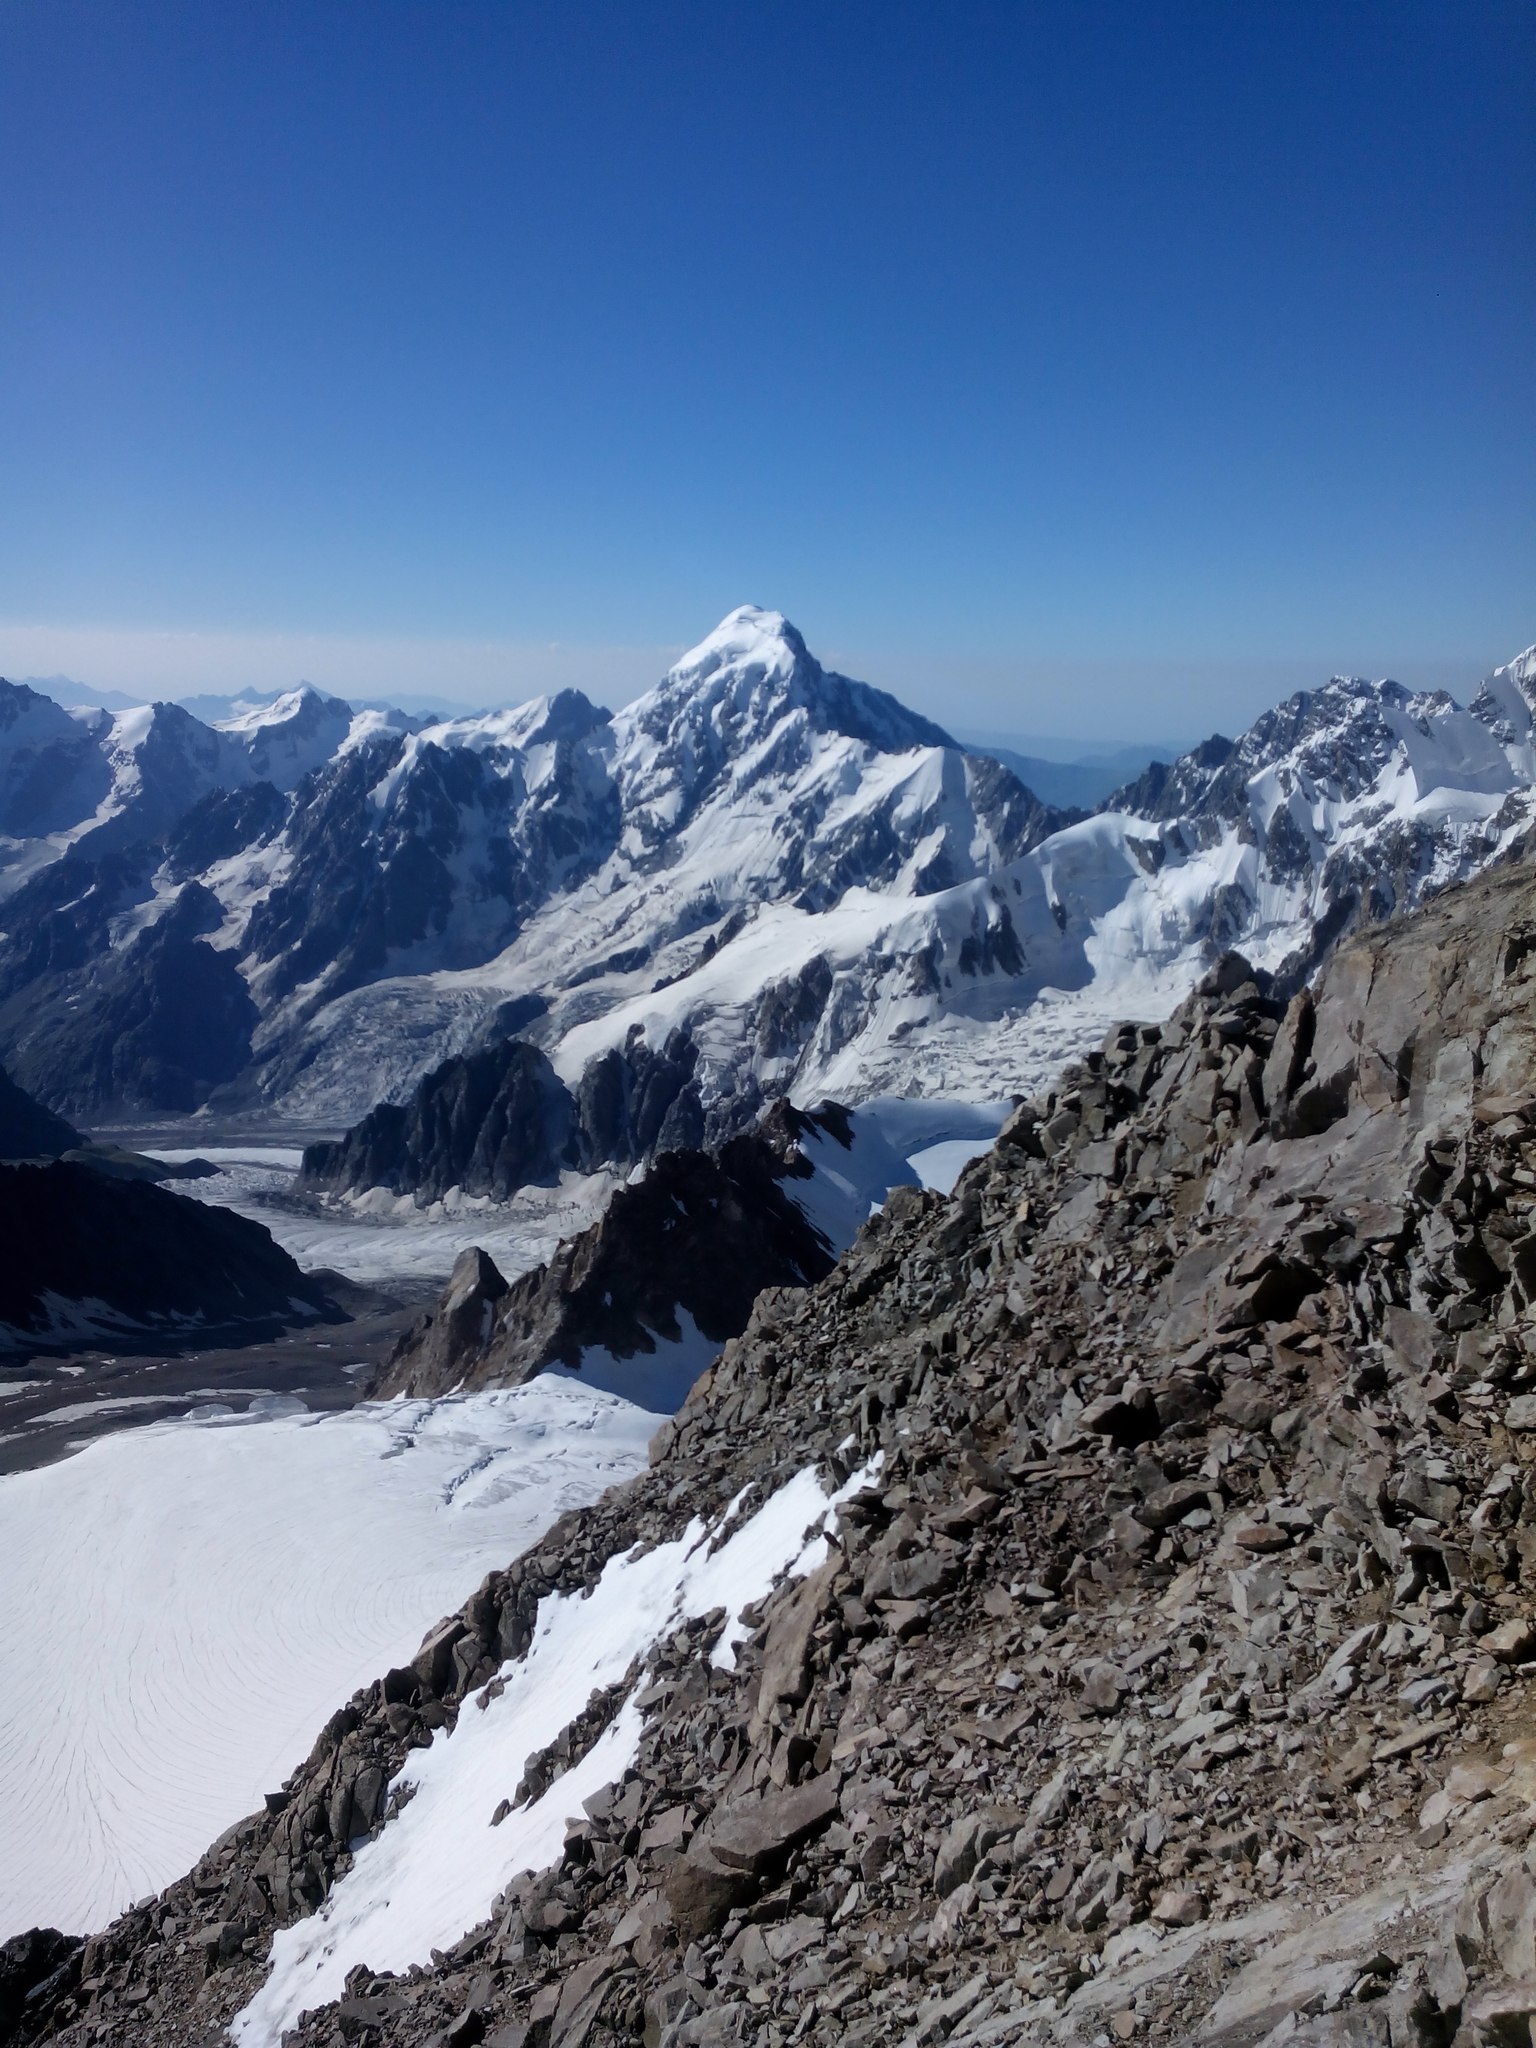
(433,1871)
(184,1605)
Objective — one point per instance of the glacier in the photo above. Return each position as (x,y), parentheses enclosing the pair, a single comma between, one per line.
(195,1596)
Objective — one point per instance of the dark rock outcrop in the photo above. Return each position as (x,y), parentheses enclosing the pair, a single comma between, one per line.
(493,1121)
(61,919)
(35,1967)
(488,1122)
(223,823)
(85,1249)
(638,1101)
(27,1130)
(698,1238)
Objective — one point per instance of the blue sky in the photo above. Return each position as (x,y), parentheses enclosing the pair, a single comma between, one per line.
(1070,368)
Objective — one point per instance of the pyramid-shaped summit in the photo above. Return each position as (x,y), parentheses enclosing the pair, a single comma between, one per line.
(755,667)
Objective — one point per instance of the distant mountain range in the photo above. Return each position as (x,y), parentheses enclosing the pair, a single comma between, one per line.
(212,707)
(1079,783)
(761,876)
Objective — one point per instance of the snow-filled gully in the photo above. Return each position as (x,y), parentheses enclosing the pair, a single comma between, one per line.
(435,1869)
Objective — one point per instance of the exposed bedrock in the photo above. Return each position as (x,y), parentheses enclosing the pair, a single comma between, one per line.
(494,1121)
(86,1250)
(155,1025)
(695,1242)
(27,1130)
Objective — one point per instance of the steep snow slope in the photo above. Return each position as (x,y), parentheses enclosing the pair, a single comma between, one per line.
(433,1873)
(196,1596)
(96,780)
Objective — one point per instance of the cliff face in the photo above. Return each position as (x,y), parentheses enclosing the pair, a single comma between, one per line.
(493,1121)
(27,1130)
(1166,1674)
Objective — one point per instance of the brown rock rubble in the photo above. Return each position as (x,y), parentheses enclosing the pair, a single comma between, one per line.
(1170,1684)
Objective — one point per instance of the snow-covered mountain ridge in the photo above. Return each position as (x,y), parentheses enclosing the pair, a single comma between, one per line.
(783,875)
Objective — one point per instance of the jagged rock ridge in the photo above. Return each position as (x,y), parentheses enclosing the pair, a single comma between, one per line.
(493,1121)
(1169,1680)
(696,1241)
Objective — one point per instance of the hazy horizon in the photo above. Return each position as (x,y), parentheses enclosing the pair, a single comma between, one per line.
(995,701)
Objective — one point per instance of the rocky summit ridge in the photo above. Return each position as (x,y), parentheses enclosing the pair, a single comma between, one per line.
(1167,1673)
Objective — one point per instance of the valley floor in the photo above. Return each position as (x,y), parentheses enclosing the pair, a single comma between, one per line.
(52,1406)
(380,1239)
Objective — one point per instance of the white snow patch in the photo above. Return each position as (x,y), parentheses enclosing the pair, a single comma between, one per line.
(891,1139)
(658,1379)
(940,1166)
(433,1871)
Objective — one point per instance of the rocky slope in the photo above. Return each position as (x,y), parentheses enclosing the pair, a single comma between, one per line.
(92,1253)
(1166,1676)
(689,1247)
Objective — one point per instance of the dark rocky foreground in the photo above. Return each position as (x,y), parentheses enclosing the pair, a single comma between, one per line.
(1172,1682)
(701,1236)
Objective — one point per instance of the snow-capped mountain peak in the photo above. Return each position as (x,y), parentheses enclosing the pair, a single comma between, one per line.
(761,875)
(287,739)
(251,714)
(753,669)
(750,701)
(1506,704)
(749,637)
